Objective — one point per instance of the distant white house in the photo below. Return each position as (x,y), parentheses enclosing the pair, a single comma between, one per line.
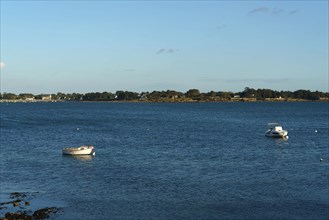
(29,99)
(46,97)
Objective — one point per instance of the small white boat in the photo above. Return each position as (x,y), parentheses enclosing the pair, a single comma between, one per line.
(275,130)
(83,150)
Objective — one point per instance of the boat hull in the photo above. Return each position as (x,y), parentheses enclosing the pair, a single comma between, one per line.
(280,134)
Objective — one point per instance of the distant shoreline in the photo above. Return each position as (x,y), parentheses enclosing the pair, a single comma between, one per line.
(192,95)
(172,101)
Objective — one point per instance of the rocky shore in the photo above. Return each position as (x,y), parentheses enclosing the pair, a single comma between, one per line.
(21,207)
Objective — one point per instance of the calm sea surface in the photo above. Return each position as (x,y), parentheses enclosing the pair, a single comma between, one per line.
(169,161)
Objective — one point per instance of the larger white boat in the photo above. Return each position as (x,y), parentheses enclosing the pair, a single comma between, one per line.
(83,150)
(275,130)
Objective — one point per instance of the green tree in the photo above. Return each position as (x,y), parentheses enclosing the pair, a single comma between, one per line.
(193,94)
(225,95)
(9,96)
(25,95)
(248,93)
(126,95)
(156,95)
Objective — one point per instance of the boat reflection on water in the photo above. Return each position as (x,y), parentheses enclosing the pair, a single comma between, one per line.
(281,140)
(80,157)
(84,157)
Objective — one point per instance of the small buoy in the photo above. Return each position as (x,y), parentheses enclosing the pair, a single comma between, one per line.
(78,129)
(316,131)
(321,159)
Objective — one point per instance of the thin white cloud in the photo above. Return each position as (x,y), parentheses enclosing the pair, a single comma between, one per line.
(261,80)
(278,11)
(259,10)
(129,70)
(273,11)
(220,27)
(166,50)
(293,12)
(2,65)
(162,50)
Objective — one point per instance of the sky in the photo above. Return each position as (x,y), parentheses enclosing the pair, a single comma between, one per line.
(95,46)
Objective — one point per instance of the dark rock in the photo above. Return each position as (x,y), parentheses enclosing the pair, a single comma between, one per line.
(11,202)
(44,213)
(38,214)
(17,215)
(16,204)
(19,199)
(17,195)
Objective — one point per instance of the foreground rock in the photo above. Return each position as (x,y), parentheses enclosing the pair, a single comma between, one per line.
(20,202)
(38,214)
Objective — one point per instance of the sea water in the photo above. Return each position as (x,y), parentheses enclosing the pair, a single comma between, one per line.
(169,160)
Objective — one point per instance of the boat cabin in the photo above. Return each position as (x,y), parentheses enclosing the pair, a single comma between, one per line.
(274,126)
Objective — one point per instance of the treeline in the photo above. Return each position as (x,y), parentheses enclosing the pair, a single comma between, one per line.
(261,94)
(172,95)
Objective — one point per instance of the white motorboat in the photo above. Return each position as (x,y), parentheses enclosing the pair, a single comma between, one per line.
(83,150)
(275,130)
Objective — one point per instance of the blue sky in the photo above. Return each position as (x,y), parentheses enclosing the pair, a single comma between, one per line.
(96,46)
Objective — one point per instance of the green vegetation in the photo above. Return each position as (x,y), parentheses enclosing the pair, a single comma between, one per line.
(192,95)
